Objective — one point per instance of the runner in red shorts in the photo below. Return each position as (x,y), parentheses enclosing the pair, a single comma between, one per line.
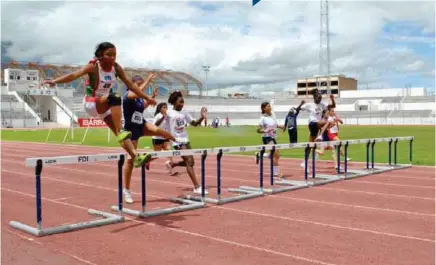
(333,131)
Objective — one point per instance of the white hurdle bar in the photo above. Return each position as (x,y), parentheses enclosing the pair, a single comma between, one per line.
(186,204)
(108,218)
(191,202)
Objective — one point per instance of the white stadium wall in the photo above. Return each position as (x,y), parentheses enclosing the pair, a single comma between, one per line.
(391,92)
(419,106)
(22,123)
(57,113)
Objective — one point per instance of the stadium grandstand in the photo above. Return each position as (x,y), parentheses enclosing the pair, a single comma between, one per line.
(26,104)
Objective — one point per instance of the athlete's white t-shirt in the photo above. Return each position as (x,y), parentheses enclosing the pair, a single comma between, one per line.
(163,125)
(177,121)
(269,123)
(333,129)
(315,110)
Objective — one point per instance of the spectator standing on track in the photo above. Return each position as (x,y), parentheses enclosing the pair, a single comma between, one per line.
(268,127)
(291,123)
(133,109)
(177,120)
(101,99)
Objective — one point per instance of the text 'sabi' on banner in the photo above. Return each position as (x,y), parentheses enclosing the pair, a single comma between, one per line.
(83,122)
(255,2)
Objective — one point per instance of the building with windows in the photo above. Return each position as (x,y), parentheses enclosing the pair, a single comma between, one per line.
(338,83)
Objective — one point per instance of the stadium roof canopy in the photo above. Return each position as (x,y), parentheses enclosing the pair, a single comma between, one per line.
(171,79)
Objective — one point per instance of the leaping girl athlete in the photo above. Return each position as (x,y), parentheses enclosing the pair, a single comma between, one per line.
(101,99)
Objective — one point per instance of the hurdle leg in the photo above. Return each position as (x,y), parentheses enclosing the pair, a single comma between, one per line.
(40,231)
(186,203)
(143,188)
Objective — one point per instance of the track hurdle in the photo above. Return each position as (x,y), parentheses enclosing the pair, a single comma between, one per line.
(186,204)
(281,185)
(242,194)
(371,168)
(395,140)
(108,218)
(317,179)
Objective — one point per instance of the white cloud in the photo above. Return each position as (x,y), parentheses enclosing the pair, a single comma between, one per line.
(267,46)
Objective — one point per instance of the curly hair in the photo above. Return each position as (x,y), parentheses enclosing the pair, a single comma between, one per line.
(174,96)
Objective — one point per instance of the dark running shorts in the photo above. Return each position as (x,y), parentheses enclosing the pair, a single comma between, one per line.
(313,128)
(159,141)
(267,140)
(137,132)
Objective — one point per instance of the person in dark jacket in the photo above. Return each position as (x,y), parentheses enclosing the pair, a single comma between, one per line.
(291,123)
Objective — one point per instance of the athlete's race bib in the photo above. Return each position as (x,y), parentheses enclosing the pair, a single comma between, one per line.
(271,132)
(180,124)
(137,117)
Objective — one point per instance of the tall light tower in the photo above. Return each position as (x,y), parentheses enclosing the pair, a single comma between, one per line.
(324,43)
(206,69)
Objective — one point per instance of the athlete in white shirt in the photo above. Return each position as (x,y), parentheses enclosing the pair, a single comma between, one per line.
(177,120)
(317,125)
(268,127)
(161,143)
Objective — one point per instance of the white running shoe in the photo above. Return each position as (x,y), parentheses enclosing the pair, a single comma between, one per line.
(308,166)
(168,167)
(128,196)
(198,191)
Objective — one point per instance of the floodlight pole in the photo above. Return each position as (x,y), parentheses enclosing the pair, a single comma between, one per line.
(206,69)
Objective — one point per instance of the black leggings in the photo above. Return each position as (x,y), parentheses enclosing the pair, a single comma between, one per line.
(293,138)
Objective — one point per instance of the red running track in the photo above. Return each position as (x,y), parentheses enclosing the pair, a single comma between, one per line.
(380,219)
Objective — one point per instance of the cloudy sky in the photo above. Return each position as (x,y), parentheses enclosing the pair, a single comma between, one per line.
(268,46)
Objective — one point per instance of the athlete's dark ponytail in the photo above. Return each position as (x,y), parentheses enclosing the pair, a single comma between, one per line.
(99,50)
(159,107)
(263,106)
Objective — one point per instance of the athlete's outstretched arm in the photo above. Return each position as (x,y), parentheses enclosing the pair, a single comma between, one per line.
(133,87)
(147,82)
(332,98)
(195,123)
(71,76)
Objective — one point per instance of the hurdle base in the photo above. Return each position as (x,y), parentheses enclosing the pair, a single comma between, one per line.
(108,219)
(187,205)
(322,179)
(284,185)
(380,169)
(355,173)
(399,166)
(244,195)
